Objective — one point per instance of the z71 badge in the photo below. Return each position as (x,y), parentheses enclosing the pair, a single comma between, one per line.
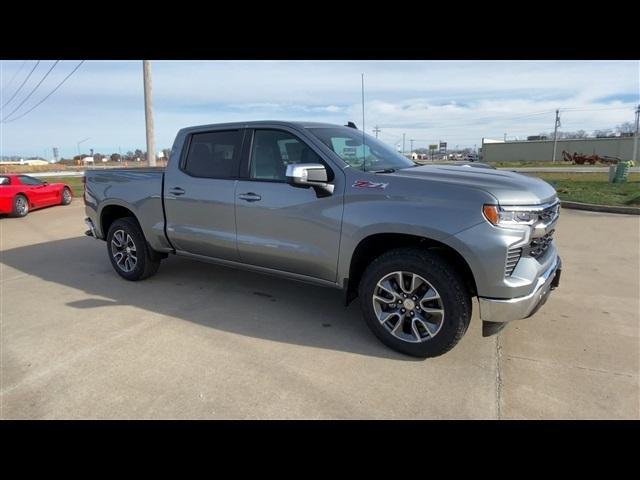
(368,184)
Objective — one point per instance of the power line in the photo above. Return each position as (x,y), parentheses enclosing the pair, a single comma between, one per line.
(32,91)
(21,85)
(50,93)
(15,75)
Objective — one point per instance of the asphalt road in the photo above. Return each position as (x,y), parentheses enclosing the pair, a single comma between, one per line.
(202,341)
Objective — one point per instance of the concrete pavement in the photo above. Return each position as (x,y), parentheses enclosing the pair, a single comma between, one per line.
(203,341)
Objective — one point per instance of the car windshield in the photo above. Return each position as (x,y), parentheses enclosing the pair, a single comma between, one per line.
(375,155)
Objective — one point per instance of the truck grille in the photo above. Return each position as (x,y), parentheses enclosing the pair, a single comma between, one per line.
(513,256)
(539,246)
(549,214)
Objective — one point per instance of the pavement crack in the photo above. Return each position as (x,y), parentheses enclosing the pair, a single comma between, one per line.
(579,367)
(498,378)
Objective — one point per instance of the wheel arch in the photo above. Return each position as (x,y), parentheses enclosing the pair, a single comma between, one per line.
(112,212)
(372,246)
(25,195)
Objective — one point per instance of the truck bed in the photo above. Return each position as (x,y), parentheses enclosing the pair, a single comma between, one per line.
(139,189)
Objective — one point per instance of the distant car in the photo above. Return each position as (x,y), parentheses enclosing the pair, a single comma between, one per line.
(470,158)
(21,193)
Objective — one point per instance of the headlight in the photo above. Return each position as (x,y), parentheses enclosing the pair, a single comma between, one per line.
(505,217)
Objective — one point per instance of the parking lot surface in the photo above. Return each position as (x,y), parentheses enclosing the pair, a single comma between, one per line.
(203,341)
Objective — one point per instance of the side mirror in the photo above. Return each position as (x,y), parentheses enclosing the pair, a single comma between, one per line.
(309,175)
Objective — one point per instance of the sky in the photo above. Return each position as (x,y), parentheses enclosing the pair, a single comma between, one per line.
(459,102)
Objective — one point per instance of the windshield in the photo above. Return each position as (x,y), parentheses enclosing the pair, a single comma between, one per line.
(347,143)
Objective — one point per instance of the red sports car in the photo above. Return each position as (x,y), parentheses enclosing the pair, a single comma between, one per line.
(21,193)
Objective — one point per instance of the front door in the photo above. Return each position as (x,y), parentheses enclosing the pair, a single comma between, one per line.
(200,195)
(280,226)
(39,193)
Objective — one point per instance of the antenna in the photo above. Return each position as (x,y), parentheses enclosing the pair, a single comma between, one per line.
(364,156)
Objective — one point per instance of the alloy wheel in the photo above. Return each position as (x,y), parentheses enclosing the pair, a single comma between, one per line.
(408,306)
(123,250)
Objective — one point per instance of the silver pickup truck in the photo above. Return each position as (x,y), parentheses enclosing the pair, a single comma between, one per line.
(332,206)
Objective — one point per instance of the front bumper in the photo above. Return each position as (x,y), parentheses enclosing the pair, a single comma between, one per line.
(505,310)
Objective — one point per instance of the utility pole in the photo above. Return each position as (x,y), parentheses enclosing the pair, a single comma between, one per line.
(377,131)
(411,145)
(555,135)
(635,140)
(148,112)
(505,138)
(403,143)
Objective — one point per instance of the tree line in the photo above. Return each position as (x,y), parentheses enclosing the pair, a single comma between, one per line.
(130,156)
(626,129)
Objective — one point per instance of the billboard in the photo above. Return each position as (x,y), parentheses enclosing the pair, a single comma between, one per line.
(443,147)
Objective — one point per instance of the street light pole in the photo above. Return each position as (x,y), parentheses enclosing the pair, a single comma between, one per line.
(635,139)
(82,141)
(148,112)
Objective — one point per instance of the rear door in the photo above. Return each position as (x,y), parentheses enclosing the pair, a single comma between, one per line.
(200,194)
(280,226)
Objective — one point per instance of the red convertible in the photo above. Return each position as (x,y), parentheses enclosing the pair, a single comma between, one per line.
(21,193)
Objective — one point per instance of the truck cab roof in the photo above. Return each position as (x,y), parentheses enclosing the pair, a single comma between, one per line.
(260,123)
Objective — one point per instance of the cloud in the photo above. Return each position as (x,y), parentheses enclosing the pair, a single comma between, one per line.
(458,101)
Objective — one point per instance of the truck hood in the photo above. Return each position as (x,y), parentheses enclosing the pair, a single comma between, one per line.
(509,188)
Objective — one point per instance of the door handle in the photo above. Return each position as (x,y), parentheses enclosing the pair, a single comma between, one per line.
(177,191)
(250,197)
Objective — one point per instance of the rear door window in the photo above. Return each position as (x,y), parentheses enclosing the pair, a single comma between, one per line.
(214,154)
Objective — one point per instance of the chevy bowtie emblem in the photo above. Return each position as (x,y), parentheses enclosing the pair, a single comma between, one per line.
(368,184)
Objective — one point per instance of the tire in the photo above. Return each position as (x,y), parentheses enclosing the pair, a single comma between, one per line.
(441,303)
(126,233)
(20,206)
(67,196)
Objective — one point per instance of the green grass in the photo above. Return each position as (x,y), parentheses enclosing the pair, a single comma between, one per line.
(558,163)
(75,183)
(594,188)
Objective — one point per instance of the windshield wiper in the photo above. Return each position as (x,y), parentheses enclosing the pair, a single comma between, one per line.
(386,170)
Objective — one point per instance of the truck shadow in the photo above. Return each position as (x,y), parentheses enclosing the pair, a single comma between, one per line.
(235,301)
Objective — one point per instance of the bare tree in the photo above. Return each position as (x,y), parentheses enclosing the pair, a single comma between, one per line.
(607,132)
(581,134)
(626,128)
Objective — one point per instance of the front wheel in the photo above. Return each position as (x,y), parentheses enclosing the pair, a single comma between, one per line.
(415,302)
(130,255)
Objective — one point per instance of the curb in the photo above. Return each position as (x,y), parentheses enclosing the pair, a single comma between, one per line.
(600,208)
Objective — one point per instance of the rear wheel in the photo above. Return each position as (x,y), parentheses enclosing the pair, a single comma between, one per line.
(415,302)
(131,257)
(66,196)
(20,206)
